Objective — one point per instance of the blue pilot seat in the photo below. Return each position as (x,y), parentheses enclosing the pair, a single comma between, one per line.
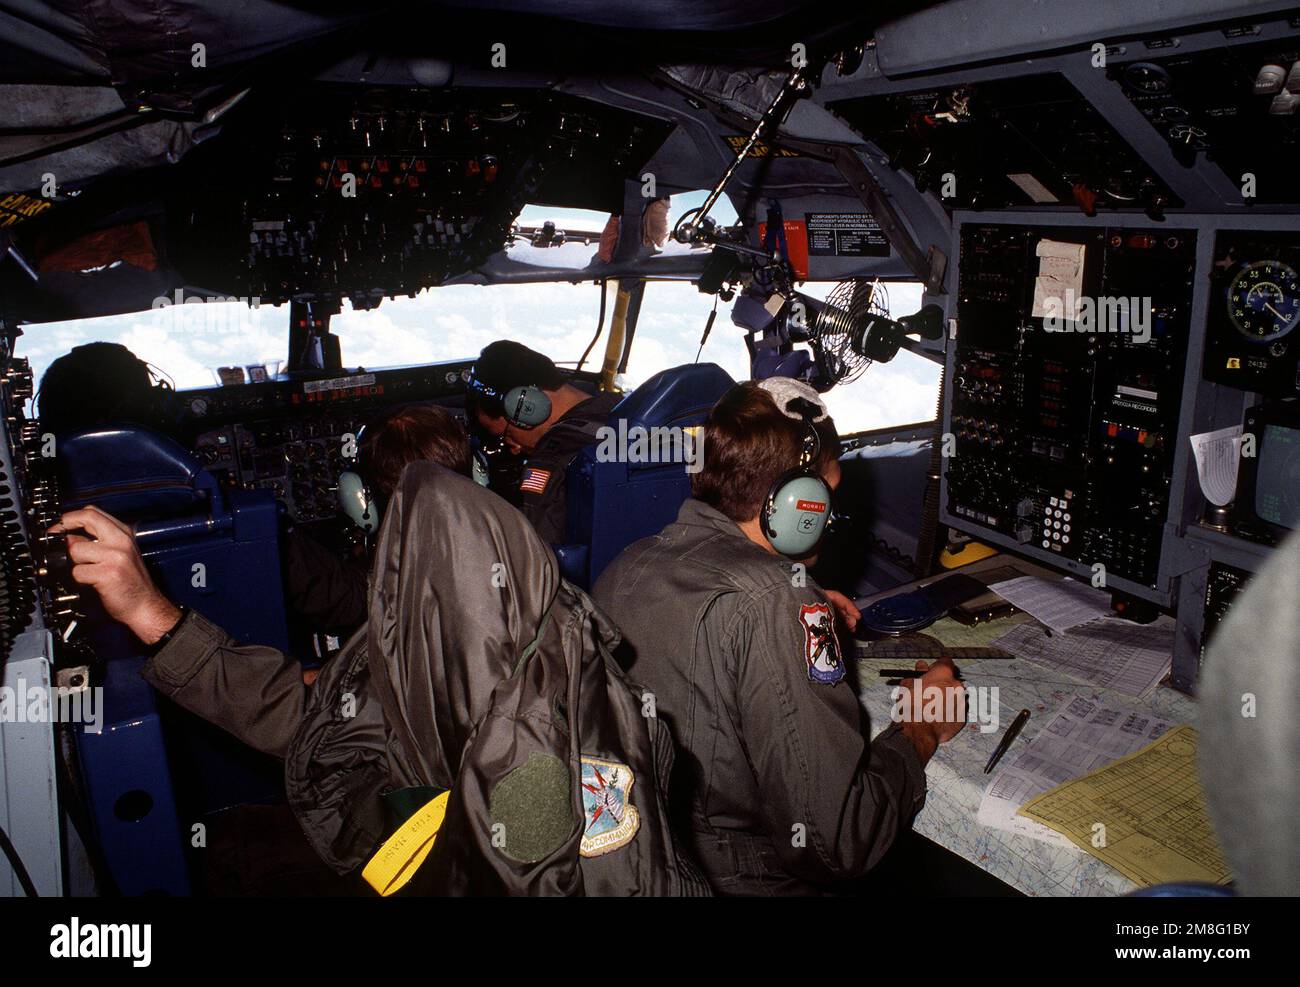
(612,502)
(154,770)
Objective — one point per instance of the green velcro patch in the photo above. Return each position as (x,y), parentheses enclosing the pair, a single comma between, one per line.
(533,805)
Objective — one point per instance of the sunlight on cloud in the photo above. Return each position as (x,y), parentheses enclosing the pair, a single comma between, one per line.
(455,322)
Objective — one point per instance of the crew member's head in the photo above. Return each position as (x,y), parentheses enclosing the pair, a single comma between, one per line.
(413,433)
(756,435)
(421,432)
(517,394)
(98,384)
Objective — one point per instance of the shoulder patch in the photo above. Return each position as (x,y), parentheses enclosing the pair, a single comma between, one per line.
(535,480)
(533,804)
(821,649)
(610,820)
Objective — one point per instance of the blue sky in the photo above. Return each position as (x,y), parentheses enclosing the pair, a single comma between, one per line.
(457,321)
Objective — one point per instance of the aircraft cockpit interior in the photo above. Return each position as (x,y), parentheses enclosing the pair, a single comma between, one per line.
(504,368)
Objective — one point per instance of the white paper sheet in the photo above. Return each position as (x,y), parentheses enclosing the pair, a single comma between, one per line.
(1110,652)
(1218,456)
(1060,277)
(1083,735)
(1058,603)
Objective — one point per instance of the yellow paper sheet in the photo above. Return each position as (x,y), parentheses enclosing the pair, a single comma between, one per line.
(1144,814)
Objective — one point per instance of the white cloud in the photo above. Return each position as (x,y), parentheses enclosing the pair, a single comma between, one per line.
(457,321)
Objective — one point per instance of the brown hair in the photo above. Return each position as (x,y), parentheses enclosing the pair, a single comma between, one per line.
(748,443)
(417,432)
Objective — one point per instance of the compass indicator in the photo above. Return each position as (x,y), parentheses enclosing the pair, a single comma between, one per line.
(1264,300)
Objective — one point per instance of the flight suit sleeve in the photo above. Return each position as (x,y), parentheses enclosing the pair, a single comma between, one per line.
(250,691)
(327,591)
(832,802)
(546,510)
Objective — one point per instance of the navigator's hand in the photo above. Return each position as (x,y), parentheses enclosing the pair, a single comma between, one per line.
(846,609)
(105,557)
(932,707)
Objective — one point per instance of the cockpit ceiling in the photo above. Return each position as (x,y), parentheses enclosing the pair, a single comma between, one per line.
(331,190)
(135,44)
(284,151)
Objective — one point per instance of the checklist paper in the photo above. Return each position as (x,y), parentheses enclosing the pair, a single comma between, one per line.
(1085,734)
(1059,603)
(1058,288)
(1109,652)
(1218,455)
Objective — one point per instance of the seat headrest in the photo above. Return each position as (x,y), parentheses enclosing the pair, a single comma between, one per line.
(130,471)
(678,395)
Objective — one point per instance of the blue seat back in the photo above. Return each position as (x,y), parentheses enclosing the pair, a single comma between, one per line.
(154,765)
(614,501)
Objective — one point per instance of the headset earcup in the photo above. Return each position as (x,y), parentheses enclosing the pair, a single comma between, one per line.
(527,406)
(796,513)
(356,502)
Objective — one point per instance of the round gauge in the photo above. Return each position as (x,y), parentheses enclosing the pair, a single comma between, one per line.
(199,407)
(1264,300)
(1185,133)
(1147,78)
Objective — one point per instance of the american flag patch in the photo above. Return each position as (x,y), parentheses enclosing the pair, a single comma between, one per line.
(535,480)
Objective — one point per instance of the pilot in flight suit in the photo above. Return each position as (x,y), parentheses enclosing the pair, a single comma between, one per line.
(785,793)
(572,421)
(480,673)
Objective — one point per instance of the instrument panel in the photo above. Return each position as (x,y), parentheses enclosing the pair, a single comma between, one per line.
(1065,439)
(1235,105)
(294,437)
(1251,339)
(35,583)
(1053,146)
(377,191)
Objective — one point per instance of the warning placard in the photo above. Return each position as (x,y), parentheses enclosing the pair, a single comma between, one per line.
(845,234)
(796,245)
(16,207)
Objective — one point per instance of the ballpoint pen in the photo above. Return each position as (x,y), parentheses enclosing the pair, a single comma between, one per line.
(1012,731)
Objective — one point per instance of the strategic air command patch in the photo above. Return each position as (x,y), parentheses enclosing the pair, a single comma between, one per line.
(821,649)
(609,818)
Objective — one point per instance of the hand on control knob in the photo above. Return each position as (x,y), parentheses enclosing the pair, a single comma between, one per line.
(105,557)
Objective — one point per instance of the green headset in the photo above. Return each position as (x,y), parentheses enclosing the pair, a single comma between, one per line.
(359,504)
(525,406)
(798,506)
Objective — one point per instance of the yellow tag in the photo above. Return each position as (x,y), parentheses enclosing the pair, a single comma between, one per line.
(400,857)
(1234,363)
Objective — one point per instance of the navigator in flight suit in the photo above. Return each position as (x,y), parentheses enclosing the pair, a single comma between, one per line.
(785,793)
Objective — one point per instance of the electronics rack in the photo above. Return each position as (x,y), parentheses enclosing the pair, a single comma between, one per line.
(29,793)
(1188,547)
(1065,443)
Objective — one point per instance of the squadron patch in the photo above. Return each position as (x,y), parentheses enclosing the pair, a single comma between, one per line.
(610,820)
(820,647)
